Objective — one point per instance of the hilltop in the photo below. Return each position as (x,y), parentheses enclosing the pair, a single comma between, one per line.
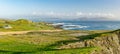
(23,25)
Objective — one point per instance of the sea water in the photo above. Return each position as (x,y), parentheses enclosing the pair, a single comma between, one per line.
(89,25)
(86,25)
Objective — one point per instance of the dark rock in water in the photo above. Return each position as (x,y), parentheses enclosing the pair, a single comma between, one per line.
(58,26)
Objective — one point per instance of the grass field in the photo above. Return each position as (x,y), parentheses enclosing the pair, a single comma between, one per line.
(23,25)
(37,41)
(41,43)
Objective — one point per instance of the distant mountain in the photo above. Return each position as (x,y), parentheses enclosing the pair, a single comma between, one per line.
(47,18)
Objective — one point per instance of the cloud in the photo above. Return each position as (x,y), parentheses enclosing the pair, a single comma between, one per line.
(79,13)
(74,14)
(109,15)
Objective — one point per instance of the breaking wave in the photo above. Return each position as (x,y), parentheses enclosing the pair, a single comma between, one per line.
(69,26)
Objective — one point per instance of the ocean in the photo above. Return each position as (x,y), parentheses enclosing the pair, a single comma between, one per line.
(86,25)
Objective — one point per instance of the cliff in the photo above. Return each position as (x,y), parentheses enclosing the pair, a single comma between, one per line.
(107,43)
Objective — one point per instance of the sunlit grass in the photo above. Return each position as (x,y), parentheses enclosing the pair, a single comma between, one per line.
(24,25)
(39,43)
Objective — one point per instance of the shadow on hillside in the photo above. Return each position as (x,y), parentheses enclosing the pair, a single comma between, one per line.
(65,42)
(12,52)
(59,43)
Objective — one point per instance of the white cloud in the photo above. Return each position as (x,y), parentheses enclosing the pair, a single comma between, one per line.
(74,15)
(107,15)
(79,13)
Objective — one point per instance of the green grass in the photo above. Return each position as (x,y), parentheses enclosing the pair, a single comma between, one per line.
(86,50)
(24,25)
(43,42)
(40,43)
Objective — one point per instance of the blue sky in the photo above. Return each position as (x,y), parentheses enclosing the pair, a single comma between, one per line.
(61,8)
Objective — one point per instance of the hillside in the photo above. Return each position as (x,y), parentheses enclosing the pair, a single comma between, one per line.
(40,42)
(106,43)
(23,25)
(41,38)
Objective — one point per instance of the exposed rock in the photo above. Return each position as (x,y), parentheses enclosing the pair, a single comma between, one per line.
(109,43)
(7,27)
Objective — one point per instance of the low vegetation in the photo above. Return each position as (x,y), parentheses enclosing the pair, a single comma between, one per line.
(38,42)
(23,25)
(41,43)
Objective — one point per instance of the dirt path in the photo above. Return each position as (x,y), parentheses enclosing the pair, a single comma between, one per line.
(79,34)
(24,32)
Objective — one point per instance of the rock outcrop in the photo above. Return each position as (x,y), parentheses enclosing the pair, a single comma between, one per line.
(108,43)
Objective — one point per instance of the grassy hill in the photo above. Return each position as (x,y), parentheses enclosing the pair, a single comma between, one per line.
(61,42)
(58,42)
(23,25)
(41,43)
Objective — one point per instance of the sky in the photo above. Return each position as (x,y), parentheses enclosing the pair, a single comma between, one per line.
(61,8)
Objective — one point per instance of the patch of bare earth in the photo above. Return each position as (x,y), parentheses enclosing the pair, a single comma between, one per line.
(24,32)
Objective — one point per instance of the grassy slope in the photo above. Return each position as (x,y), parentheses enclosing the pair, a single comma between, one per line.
(22,25)
(40,43)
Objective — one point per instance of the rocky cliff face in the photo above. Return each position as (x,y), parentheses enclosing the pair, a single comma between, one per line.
(108,43)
